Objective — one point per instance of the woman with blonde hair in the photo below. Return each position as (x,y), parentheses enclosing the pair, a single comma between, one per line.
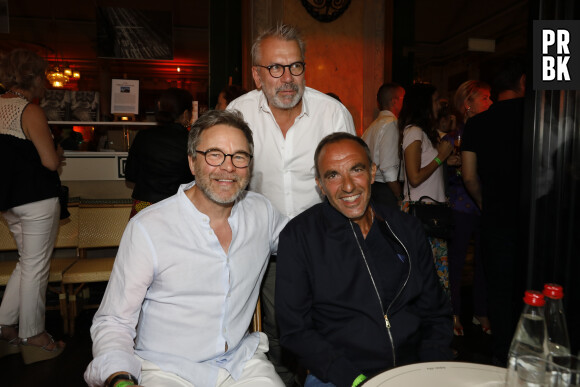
(471,98)
(29,203)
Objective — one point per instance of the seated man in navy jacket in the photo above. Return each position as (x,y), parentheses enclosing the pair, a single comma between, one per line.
(356,287)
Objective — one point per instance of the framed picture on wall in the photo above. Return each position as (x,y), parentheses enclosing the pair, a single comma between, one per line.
(125,33)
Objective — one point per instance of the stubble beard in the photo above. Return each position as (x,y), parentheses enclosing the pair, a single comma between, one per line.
(284,104)
(203,183)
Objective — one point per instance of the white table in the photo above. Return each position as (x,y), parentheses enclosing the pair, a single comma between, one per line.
(440,374)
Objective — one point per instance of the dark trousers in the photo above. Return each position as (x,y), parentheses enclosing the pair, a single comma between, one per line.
(466,227)
(284,362)
(505,272)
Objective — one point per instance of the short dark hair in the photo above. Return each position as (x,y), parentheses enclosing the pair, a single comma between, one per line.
(172,103)
(212,118)
(509,75)
(281,31)
(336,137)
(20,67)
(386,94)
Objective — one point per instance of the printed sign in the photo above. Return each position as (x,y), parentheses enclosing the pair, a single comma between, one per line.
(125,96)
(556,51)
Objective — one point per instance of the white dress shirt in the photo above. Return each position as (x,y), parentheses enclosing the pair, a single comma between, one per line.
(283,168)
(382,137)
(176,298)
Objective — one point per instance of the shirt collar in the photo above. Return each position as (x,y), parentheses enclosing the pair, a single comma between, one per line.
(387,113)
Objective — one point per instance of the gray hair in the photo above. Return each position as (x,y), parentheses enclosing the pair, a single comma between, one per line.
(212,118)
(281,31)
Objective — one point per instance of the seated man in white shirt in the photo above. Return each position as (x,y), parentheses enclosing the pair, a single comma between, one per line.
(187,275)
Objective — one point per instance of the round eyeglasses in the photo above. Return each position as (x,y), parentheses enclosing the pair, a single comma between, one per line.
(277,70)
(216,157)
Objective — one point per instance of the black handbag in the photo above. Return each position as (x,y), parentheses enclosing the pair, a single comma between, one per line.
(437,217)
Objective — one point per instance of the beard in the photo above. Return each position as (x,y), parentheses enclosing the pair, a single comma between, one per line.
(284,103)
(203,182)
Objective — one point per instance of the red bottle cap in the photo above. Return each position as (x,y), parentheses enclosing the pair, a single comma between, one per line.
(534,298)
(553,291)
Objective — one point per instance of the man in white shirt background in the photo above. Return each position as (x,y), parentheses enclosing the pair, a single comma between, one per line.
(288,120)
(382,137)
(187,275)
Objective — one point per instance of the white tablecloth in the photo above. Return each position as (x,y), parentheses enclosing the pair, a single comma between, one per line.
(440,374)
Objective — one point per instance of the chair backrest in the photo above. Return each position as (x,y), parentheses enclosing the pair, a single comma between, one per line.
(102,225)
(67,237)
(7,242)
(68,230)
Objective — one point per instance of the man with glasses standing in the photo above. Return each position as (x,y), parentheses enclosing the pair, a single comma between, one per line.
(187,276)
(288,120)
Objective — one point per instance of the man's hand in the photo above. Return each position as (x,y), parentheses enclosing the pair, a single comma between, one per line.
(121,379)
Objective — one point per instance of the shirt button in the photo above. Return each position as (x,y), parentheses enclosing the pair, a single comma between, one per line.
(210,232)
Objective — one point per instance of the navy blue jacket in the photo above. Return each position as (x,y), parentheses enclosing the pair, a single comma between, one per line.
(328,311)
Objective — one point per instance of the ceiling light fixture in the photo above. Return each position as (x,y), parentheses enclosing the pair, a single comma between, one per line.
(60,73)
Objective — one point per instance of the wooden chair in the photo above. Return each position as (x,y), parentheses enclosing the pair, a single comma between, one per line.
(100,226)
(256,325)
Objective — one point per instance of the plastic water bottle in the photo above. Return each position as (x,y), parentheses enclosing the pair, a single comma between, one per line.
(530,336)
(558,341)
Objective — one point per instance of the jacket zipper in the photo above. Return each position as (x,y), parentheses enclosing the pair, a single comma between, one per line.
(385,315)
(387,322)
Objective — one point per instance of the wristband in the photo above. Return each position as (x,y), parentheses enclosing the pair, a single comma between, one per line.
(127,380)
(359,379)
(438,161)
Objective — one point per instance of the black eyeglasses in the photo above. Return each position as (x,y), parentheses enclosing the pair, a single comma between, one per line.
(216,157)
(277,70)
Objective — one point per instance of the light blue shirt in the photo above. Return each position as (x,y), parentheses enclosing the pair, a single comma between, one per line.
(176,298)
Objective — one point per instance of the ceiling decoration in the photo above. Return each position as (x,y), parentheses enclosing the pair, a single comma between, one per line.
(325,10)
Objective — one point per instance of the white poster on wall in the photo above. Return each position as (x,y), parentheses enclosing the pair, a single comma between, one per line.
(124,96)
